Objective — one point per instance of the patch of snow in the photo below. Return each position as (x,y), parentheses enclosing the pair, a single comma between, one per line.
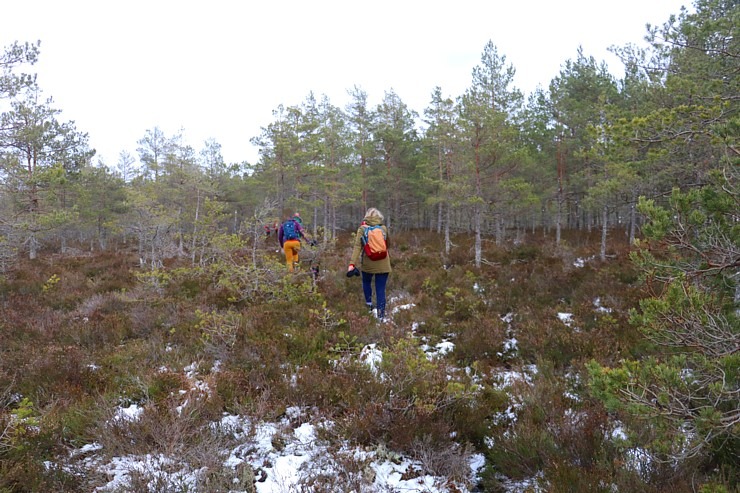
(191,373)
(566,318)
(477,462)
(372,357)
(506,417)
(511,346)
(87,449)
(572,396)
(300,457)
(231,424)
(581,262)
(640,461)
(531,485)
(397,309)
(293,412)
(618,433)
(687,375)
(444,347)
(389,477)
(130,413)
(600,307)
(506,378)
(161,469)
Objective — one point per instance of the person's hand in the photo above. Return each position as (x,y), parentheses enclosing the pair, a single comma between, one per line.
(352,271)
(351,267)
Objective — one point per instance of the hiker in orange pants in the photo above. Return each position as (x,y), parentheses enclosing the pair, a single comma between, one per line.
(290,234)
(292,247)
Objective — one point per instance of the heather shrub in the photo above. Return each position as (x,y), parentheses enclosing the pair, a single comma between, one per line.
(479,339)
(72,421)
(448,460)
(522,448)
(181,435)
(470,417)
(102,335)
(126,368)
(99,321)
(557,431)
(55,371)
(171,427)
(219,330)
(164,384)
(339,390)
(249,392)
(27,441)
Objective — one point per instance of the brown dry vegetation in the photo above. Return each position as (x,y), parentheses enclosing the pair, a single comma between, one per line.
(81,336)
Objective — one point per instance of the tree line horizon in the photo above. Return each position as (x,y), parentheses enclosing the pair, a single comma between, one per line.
(490,162)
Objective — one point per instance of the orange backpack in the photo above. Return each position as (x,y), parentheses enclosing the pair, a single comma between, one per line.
(373,242)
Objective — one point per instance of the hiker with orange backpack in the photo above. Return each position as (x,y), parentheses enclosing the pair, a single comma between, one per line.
(370,252)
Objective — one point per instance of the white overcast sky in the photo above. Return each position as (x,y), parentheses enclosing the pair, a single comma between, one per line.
(218,68)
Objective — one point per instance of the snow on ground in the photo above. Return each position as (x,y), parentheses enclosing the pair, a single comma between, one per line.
(511,344)
(301,458)
(287,455)
(566,318)
(130,413)
(507,378)
(524,486)
(581,262)
(600,307)
(372,357)
(158,467)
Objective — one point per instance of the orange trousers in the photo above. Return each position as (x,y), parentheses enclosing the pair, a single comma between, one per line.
(291,247)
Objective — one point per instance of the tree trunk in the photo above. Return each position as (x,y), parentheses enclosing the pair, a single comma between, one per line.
(561,192)
(478,239)
(559,222)
(327,212)
(448,243)
(33,246)
(633,225)
(604,225)
(195,226)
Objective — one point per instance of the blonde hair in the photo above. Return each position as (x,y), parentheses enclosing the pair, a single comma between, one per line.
(373,212)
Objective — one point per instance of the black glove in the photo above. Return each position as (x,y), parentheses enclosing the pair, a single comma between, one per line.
(354,272)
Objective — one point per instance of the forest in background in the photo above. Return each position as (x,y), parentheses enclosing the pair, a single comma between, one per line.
(490,161)
(647,163)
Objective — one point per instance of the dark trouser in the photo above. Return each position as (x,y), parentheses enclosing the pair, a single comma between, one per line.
(367,289)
